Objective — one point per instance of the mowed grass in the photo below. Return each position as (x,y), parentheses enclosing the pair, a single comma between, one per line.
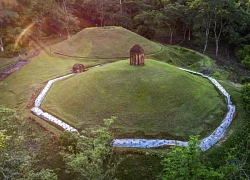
(17,89)
(6,61)
(155,100)
(99,42)
(183,57)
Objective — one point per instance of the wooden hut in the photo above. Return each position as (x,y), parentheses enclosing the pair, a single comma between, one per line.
(137,55)
(78,68)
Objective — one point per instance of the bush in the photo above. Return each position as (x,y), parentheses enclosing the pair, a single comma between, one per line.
(11,48)
(246,95)
(245,79)
(246,62)
(242,53)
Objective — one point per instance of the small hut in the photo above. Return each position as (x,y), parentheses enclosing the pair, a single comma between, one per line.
(137,55)
(78,68)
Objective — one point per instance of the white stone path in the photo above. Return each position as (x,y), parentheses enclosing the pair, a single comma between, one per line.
(205,144)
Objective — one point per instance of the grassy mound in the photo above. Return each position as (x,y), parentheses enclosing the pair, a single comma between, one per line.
(153,100)
(183,57)
(104,43)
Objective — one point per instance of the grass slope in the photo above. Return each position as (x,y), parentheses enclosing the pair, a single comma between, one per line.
(110,42)
(183,57)
(6,61)
(155,99)
(17,89)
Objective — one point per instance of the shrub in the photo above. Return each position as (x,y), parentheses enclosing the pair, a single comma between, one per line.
(246,95)
(245,79)
(246,62)
(242,53)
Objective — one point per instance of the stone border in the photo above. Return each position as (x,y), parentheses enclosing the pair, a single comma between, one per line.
(205,144)
(46,116)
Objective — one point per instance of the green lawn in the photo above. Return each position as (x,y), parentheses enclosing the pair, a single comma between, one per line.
(154,100)
(110,42)
(6,61)
(180,56)
(17,89)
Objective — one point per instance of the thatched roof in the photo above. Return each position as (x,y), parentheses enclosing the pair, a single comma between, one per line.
(137,49)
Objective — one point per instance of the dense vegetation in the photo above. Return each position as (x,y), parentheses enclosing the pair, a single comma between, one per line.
(27,151)
(198,21)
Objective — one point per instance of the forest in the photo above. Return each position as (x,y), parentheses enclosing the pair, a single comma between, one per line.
(219,29)
(197,23)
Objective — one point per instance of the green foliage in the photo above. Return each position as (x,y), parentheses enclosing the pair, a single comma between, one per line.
(12,48)
(242,53)
(246,62)
(246,95)
(15,160)
(90,155)
(44,174)
(190,163)
(187,163)
(245,79)
(146,23)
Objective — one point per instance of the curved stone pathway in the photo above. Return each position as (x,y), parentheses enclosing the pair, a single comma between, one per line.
(205,144)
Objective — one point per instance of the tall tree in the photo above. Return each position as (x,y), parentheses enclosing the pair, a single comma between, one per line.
(8,18)
(146,23)
(224,13)
(171,14)
(204,18)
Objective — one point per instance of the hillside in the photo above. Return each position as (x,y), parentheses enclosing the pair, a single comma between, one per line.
(104,43)
(156,100)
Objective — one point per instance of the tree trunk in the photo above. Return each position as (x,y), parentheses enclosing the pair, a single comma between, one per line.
(1,43)
(184,36)
(120,5)
(68,33)
(206,41)
(102,19)
(189,34)
(217,33)
(217,47)
(171,36)
(65,10)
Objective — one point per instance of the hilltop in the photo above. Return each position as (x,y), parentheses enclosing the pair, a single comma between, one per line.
(104,43)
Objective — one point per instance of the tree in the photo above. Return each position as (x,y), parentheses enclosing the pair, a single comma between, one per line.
(7,18)
(171,14)
(101,10)
(12,156)
(203,19)
(223,11)
(246,61)
(242,53)
(91,155)
(246,95)
(146,23)
(187,163)
(16,162)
